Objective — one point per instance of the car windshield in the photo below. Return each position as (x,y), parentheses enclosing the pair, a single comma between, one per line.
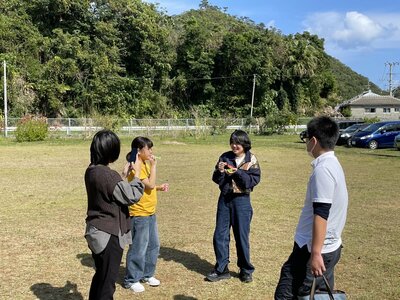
(352,128)
(372,128)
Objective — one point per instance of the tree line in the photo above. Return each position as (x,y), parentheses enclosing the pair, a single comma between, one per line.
(128,58)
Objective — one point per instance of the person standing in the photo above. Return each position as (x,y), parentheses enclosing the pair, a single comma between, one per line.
(107,221)
(142,255)
(317,241)
(237,172)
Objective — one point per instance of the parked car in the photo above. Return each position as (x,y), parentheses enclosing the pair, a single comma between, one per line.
(343,124)
(345,135)
(397,142)
(377,135)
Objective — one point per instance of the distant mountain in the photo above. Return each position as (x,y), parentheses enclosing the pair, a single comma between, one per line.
(349,82)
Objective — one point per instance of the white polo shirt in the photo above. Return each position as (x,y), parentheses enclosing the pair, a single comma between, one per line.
(327,184)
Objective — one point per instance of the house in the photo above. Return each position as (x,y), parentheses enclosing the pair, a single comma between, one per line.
(370,105)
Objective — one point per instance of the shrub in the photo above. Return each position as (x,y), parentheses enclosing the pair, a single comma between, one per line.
(31,128)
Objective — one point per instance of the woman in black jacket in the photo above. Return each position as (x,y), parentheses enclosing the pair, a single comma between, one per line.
(236,173)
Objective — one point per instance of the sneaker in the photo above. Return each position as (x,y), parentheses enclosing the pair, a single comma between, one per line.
(216,276)
(137,287)
(152,281)
(245,277)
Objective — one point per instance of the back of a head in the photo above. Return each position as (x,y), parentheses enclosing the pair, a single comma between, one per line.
(240,137)
(325,130)
(105,148)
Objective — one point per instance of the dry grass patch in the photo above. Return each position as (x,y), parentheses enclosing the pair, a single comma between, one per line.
(44,254)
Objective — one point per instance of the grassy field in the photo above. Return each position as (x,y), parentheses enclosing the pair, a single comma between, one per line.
(43,207)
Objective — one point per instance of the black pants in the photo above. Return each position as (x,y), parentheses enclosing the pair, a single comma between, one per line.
(107,268)
(296,278)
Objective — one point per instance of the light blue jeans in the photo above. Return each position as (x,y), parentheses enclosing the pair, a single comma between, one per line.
(142,255)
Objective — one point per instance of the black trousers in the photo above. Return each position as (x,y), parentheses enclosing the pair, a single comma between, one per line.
(107,265)
(296,278)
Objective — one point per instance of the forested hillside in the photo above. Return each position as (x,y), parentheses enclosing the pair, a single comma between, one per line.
(75,58)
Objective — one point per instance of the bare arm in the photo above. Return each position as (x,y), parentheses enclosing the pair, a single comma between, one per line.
(150,182)
(319,232)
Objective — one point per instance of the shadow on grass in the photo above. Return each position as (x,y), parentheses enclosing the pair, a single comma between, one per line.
(86,259)
(381,154)
(190,260)
(45,291)
(183,297)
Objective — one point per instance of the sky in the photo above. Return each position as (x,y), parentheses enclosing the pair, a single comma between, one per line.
(362,34)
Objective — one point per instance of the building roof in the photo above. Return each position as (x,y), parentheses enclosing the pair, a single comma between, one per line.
(371,99)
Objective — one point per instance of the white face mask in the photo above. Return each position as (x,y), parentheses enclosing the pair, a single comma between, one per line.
(309,152)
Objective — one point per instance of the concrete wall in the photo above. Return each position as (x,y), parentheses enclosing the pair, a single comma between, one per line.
(359,112)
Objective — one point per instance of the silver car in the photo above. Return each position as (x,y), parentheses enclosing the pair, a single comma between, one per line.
(397,142)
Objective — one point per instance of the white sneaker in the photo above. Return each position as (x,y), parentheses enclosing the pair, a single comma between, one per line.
(137,287)
(152,281)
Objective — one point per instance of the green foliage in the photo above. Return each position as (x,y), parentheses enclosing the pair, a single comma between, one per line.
(31,129)
(74,58)
(346,112)
(371,120)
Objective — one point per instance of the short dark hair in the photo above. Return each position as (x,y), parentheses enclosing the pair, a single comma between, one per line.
(325,130)
(105,147)
(141,142)
(240,137)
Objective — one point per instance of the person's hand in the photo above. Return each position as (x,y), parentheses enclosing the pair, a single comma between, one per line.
(317,264)
(221,166)
(152,160)
(164,187)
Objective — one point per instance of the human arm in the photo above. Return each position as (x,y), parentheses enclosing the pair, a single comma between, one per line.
(150,181)
(128,193)
(319,232)
(219,171)
(322,190)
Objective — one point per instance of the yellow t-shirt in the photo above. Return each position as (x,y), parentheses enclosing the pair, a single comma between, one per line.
(147,204)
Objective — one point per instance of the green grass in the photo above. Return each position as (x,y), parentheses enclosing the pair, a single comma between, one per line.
(43,207)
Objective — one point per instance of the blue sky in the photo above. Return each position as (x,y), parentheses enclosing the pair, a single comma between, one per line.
(364,35)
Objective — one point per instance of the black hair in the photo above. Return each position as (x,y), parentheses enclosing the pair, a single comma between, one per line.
(240,137)
(105,148)
(325,130)
(141,142)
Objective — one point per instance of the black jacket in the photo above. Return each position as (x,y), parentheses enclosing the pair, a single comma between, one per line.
(243,180)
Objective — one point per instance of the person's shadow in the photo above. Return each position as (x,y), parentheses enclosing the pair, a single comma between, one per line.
(86,259)
(183,297)
(45,291)
(190,260)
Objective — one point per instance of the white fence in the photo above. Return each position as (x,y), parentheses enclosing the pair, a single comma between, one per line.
(70,126)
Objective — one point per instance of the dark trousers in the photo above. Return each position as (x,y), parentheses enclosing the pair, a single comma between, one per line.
(107,268)
(296,278)
(233,211)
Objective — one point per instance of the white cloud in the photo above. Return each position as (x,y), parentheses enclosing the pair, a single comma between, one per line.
(354,30)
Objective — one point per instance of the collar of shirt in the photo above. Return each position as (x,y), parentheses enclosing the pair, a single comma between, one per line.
(322,157)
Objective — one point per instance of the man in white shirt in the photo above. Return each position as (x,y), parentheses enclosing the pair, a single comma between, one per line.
(317,241)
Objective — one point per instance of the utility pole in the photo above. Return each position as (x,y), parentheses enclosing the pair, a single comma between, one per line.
(390,64)
(5,99)
(252,101)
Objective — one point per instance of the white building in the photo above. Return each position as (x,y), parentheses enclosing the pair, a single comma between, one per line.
(371,105)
